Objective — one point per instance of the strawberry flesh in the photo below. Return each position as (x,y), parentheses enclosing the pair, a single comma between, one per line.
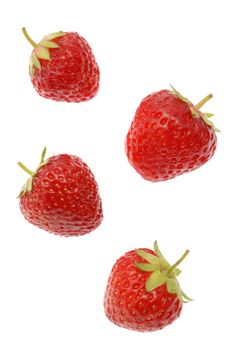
(129,305)
(71,74)
(64,198)
(166,140)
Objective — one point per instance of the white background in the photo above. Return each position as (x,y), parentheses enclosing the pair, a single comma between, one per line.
(52,288)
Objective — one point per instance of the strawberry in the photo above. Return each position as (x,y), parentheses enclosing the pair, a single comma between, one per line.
(61,196)
(63,67)
(169,136)
(143,293)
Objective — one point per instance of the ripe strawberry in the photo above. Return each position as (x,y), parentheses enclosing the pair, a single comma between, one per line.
(169,136)
(61,196)
(63,67)
(143,293)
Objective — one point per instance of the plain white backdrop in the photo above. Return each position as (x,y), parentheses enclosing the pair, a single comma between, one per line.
(52,288)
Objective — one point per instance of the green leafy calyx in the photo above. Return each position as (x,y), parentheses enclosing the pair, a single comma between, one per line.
(41,50)
(27,187)
(162,273)
(195,109)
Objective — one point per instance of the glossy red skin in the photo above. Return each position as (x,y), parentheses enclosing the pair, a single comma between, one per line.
(72,74)
(165,140)
(64,198)
(129,305)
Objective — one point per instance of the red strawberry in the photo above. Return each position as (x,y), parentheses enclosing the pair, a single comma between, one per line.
(169,136)
(63,67)
(143,293)
(61,196)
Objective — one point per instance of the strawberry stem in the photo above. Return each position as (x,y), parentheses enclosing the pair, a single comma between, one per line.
(34,45)
(173,267)
(30,172)
(43,155)
(203,101)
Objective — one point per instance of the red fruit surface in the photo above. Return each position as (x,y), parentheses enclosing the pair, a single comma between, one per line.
(71,74)
(166,140)
(129,305)
(64,198)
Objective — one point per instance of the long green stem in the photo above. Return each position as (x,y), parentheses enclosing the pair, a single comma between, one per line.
(172,268)
(30,172)
(203,101)
(28,38)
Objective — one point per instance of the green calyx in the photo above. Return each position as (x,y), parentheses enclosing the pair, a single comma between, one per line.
(27,187)
(162,272)
(41,50)
(195,109)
